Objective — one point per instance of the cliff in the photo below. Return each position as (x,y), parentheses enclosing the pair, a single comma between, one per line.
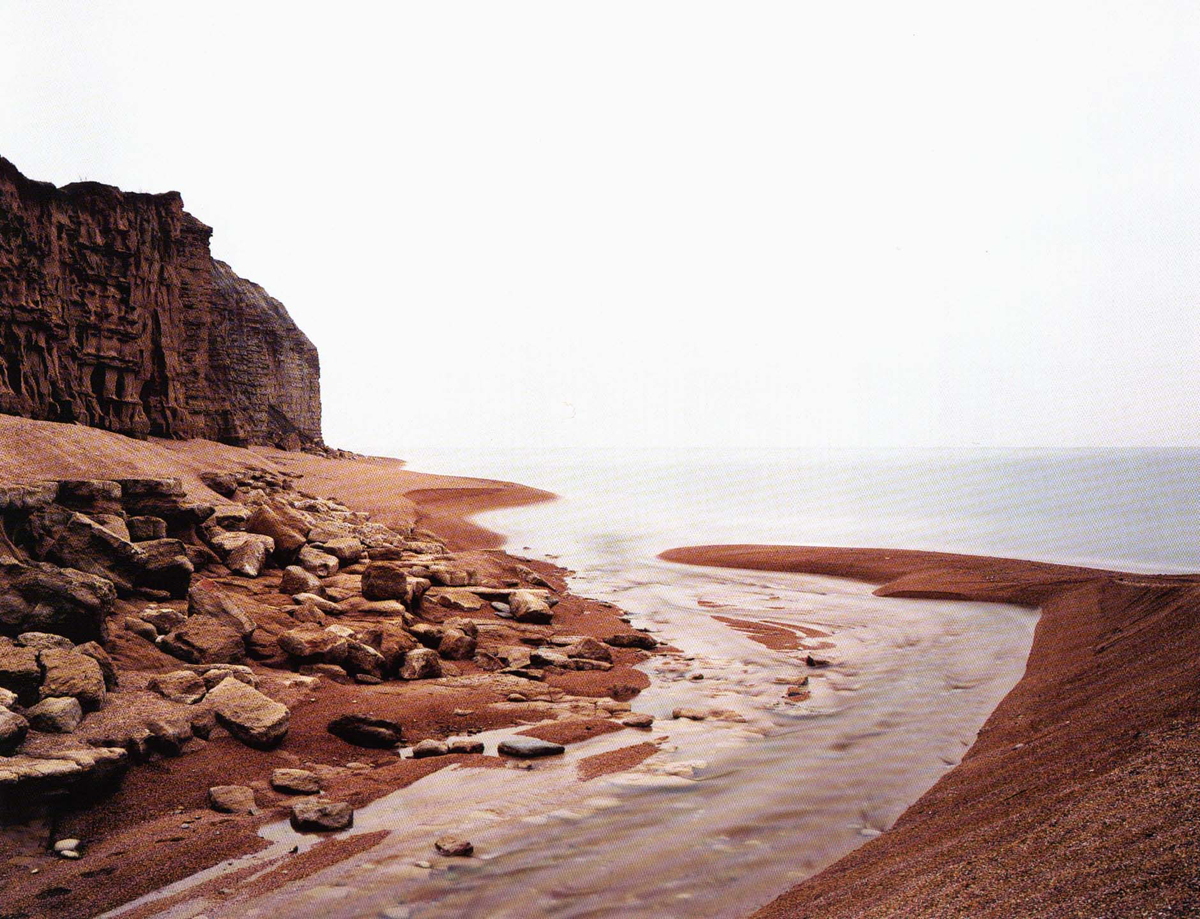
(116,315)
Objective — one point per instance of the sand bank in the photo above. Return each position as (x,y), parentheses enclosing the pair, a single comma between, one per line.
(1078,797)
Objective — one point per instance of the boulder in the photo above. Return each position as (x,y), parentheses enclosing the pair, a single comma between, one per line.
(326,606)
(528,606)
(59,600)
(181,686)
(27,498)
(463,624)
(100,656)
(253,718)
(296,580)
(231,517)
(347,550)
(450,577)
(638,720)
(163,618)
(456,645)
(391,640)
(163,498)
(430,747)
(165,566)
(317,562)
(287,541)
(206,598)
(144,529)
(529,747)
(56,715)
(362,659)
(590,649)
(114,523)
(86,546)
(243,553)
(453,847)
(312,644)
(457,598)
(8,698)
(43,641)
(204,640)
(69,673)
(307,612)
(421,664)
(141,628)
(295,781)
(13,729)
(316,815)
(385,581)
(367,731)
(27,781)
(215,674)
(231,799)
(633,640)
(90,495)
(466,745)
(223,483)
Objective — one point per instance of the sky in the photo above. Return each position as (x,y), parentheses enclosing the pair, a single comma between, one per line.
(695,224)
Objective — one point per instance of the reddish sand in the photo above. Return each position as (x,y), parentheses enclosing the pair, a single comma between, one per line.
(1079,797)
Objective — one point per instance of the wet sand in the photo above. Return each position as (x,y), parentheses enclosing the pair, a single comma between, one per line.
(1078,797)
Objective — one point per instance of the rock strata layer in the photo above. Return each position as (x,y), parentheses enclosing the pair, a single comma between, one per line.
(117,316)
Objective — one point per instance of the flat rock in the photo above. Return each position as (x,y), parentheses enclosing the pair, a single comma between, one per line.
(231,799)
(181,686)
(638,720)
(295,781)
(204,640)
(253,718)
(466,745)
(206,598)
(314,561)
(315,815)
(312,644)
(296,580)
(367,731)
(633,640)
(430,747)
(529,747)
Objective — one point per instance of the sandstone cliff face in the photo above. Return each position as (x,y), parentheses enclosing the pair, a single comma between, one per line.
(116,315)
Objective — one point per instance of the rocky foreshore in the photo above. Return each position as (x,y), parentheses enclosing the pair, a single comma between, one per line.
(149,631)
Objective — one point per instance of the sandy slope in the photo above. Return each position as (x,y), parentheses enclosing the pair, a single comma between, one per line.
(1079,796)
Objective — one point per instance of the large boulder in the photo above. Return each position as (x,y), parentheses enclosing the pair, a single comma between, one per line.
(367,731)
(287,540)
(163,498)
(90,496)
(253,718)
(45,598)
(204,640)
(363,659)
(421,664)
(27,498)
(56,715)
(385,581)
(86,546)
(392,641)
(231,799)
(589,648)
(313,560)
(206,598)
(69,673)
(13,729)
(311,644)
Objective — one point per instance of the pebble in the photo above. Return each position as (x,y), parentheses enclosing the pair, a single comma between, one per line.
(696,676)
(454,847)
(463,712)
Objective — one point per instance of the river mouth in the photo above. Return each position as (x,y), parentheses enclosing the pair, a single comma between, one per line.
(729,811)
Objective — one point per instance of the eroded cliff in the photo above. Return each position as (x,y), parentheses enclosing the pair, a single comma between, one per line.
(116,315)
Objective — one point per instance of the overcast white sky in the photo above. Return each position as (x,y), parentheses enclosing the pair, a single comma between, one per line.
(638,223)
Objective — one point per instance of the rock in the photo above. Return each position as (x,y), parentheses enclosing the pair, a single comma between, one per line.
(204,640)
(90,495)
(466,745)
(392,641)
(141,628)
(8,698)
(295,781)
(816,661)
(67,845)
(456,646)
(516,697)
(366,731)
(201,557)
(528,606)
(27,781)
(163,618)
(311,644)
(458,598)
(430,747)
(214,675)
(250,716)
(428,635)
(43,641)
(463,624)
(206,598)
(454,847)
(165,566)
(346,550)
(69,673)
(487,661)
(309,613)
(589,649)
(544,657)
(502,609)
(638,720)
(450,577)
(329,671)
(385,581)
(318,815)
(632,640)
(181,686)
(100,656)
(421,664)
(169,737)
(28,497)
(231,799)
(320,602)
(317,562)
(64,601)
(363,660)
(231,517)
(529,747)
(13,729)
(224,484)
(86,546)
(584,663)
(286,541)
(56,715)
(296,580)
(692,714)
(144,529)
(114,523)
(243,553)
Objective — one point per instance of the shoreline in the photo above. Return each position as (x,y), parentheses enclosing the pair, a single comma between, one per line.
(157,829)
(1077,798)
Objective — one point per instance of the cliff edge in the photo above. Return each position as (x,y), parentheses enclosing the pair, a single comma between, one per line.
(116,315)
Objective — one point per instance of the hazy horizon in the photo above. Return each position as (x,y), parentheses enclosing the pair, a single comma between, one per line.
(691,224)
